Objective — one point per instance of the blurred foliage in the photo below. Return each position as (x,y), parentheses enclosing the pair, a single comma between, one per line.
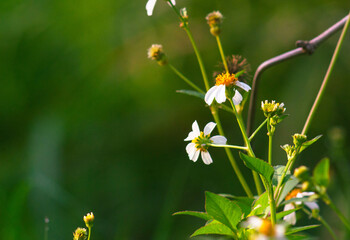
(88,123)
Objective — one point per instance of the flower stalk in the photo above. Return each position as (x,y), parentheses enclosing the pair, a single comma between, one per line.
(189,82)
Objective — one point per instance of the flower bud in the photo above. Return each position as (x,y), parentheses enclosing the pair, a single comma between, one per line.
(80,234)
(299,139)
(214,20)
(155,52)
(306,186)
(289,150)
(89,220)
(183,13)
(302,173)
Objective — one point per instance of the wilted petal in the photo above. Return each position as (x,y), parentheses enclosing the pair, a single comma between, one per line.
(209,128)
(218,139)
(206,157)
(195,156)
(150,6)
(209,96)
(237,98)
(290,218)
(221,94)
(243,85)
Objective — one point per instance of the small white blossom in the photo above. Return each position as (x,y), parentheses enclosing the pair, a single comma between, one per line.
(291,218)
(150,6)
(200,142)
(264,229)
(218,92)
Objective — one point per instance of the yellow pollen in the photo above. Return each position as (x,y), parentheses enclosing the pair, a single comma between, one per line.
(226,79)
(266,228)
(293,194)
(201,141)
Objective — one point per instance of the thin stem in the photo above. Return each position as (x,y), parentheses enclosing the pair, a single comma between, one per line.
(321,219)
(270,141)
(257,130)
(89,233)
(330,203)
(326,78)
(246,141)
(230,156)
(272,205)
(229,146)
(222,53)
(189,82)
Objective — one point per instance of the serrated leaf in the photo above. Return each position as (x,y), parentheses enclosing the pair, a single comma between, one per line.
(214,227)
(299,229)
(285,213)
(309,143)
(202,215)
(259,166)
(260,205)
(289,186)
(223,210)
(191,93)
(245,203)
(277,175)
(321,173)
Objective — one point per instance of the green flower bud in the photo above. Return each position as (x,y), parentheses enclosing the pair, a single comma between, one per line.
(89,220)
(306,186)
(299,139)
(289,150)
(214,20)
(80,234)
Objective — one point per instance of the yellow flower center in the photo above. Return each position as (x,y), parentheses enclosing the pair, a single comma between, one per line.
(293,194)
(226,79)
(266,228)
(202,142)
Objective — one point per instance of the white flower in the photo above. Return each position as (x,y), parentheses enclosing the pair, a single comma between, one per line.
(200,142)
(264,229)
(150,6)
(219,90)
(291,218)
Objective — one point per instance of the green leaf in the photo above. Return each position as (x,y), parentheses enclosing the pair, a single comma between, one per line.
(191,93)
(299,237)
(289,186)
(309,143)
(293,200)
(259,166)
(214,227)
(202,215)
(223,210)
(299,229)
(285,213)
(260,205)
(245,203)
(278,175)
(321,173)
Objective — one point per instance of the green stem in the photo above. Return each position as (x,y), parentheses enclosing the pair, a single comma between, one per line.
(222,53)
(257,130)
(270,142)
(330,203)
(326,78)
(327,226)
(272,205)
(229,146)
(89,233)
(189,82)
(247,143)
(229,154)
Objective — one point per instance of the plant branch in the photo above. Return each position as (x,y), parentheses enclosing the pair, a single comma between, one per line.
(303,47)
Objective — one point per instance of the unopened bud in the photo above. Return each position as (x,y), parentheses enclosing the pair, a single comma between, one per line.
(302,173)
(214,20)
(299,139)
(306,186)
(89,220)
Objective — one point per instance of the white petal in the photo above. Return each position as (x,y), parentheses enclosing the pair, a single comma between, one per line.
(253,222)
(221,94)
(150,6)
(290,218)
(312,205)
(206,157)
(243,85)
(209,128)
(195,128)
(218,139)
(209,96)
(191,136)
(190,147)
(195,156)
(173,2)
(280,231)
(237,98)
(305,194)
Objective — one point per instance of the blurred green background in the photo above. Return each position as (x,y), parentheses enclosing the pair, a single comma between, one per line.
(88,123)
